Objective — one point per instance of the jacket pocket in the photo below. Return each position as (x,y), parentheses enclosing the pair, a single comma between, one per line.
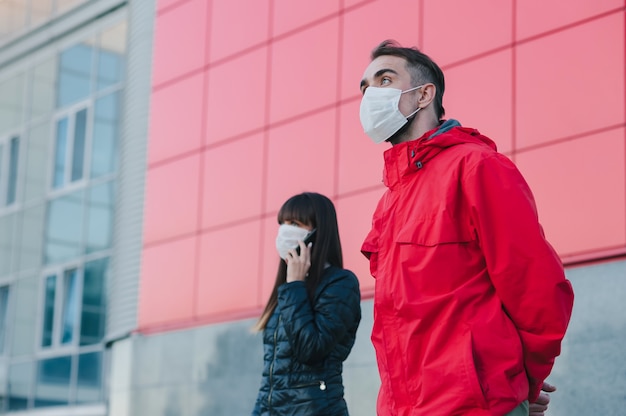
(452,382)
(321,384)
(434,256)
(473,380)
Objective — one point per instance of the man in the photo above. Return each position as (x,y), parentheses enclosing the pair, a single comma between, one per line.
(471,302)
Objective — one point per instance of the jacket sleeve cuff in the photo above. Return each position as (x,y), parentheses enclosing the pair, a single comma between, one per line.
(534,388)
(292,292)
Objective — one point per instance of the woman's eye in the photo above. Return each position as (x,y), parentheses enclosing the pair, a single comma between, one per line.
(385,81)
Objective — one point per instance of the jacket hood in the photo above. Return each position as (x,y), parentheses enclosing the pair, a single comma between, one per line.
(412,156)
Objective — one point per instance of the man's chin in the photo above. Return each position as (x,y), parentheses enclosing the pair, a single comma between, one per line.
(399,136)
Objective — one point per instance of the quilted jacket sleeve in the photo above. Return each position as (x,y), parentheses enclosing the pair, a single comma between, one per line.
(313,330)
(525,270)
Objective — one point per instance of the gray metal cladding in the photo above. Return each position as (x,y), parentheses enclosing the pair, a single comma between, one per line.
(128,227)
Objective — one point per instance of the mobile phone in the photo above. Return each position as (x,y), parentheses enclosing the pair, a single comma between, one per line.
(310,237)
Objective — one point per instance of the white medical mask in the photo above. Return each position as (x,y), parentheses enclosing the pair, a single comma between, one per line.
(380,114)
(288,237)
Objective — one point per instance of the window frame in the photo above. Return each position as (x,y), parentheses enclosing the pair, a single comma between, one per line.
(57,347)
(5,162)
(5,338)
(30,24)
(70,113)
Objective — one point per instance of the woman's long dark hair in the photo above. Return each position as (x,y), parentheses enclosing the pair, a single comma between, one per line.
(317,211)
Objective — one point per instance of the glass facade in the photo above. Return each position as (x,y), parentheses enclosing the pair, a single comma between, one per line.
(59,138)
(48,311)
(93,306)
(69,316)
(53,381)
(9,157)
(4,301)
(64,227)
(19,387)
(19,16)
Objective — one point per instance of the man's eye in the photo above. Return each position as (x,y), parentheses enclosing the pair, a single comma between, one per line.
(385,81)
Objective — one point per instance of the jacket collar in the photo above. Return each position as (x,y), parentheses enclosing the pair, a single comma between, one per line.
(409,157)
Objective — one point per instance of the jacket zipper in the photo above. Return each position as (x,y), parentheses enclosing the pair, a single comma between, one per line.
(322,384)
(269,397)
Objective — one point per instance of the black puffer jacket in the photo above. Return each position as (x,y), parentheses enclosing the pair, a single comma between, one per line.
(305,345)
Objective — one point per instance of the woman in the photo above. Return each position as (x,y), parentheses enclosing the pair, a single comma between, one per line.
(310,321)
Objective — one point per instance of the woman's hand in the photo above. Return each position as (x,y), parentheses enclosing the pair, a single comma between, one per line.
(298,265)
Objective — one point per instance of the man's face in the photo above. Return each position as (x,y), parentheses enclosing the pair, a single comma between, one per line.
(390,72)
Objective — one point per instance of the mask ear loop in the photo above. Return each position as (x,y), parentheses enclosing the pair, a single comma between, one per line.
(412,89)
(413,113)
(418,108)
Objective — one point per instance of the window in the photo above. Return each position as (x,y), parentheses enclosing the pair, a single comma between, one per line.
(69,318)
(56,381)
(59,320)
(87,94)
(25,305)
(74,305)
(64,228)
(53,381)
(105,132)
(89,386)
(99,218)
(48,317)
(93,306)
(9,159)
(20,381)
(85,142)
(16,17)
(4,309)
(69,369)
(75,73)
(12,100)
(69,149)
(79,223)
(69,379)
(111,56)
(43,88)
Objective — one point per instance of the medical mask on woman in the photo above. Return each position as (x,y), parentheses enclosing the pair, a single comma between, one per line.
(380,114)
(288,237)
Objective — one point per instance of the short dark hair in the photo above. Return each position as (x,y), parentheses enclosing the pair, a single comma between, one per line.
(420,66)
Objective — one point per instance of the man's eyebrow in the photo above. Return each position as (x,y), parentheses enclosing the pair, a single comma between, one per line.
(378,74)
(381,72)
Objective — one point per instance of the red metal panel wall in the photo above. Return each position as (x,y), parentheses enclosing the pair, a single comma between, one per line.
(254,101)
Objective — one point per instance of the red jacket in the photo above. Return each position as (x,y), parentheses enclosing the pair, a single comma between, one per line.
(471,302)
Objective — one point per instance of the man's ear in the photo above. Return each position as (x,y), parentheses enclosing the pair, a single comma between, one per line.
(427,95)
